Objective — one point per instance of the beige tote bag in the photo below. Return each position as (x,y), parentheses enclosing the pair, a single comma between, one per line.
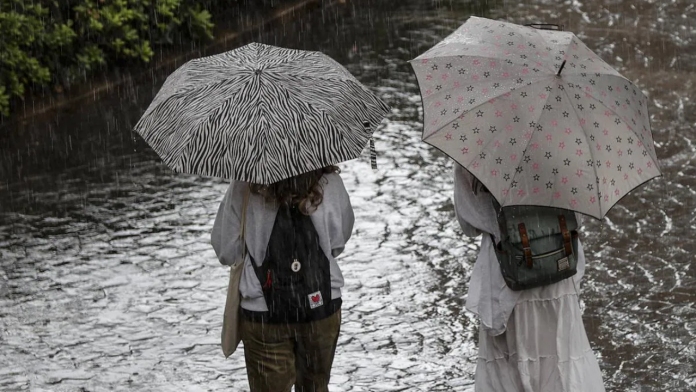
(231,334)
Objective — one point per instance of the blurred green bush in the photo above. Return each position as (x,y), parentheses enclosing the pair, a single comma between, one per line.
(51,44)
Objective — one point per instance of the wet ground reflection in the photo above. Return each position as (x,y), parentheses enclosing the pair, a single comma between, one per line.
(108,281)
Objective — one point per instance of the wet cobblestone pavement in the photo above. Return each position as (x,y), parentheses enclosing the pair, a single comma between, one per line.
(108,280)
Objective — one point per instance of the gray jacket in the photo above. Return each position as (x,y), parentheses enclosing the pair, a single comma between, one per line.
(333,221)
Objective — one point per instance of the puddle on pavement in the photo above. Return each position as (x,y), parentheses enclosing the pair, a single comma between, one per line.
(108,281)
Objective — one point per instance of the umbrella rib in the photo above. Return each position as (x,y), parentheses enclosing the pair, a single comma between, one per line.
(263,150)
(589,145)
(288,60)
(547,43)
(617,114)
(199,64)
(198,87)
(500,55)
(354,83)
(479,105)
(530,139)
(232,96)
(303,146)
(318,77)
(198,124)
(629,127)
(456,56)
(204,62)
(316,57)
(503,92)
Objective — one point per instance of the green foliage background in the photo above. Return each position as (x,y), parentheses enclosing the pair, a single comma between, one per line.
(51,44)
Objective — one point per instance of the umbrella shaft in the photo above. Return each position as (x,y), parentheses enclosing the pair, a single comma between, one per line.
(561,69)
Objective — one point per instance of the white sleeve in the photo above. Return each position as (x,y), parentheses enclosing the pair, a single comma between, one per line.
(474,212)
(225,236)
(341,225)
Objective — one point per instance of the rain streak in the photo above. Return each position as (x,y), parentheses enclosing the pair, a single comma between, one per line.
(108,280)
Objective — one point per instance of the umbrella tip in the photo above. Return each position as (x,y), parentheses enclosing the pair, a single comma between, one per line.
(258,72)
(561,69)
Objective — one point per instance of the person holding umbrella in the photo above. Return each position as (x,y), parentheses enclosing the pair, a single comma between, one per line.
(535,122)
(529,340)
(286,342)
(274,121)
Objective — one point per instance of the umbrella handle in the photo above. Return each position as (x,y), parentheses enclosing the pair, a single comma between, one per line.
(373,151)
(545,26)
(373,154)
(561,69)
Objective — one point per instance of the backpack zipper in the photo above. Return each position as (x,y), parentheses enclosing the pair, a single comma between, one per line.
(543,255)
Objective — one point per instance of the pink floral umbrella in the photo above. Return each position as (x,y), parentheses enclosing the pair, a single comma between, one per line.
(536,116)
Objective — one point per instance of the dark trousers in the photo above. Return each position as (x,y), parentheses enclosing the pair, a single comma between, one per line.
(280,355)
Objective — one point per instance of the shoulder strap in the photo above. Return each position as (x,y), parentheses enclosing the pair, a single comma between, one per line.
(498,210)
(526,247)
(242,233)
(566,235)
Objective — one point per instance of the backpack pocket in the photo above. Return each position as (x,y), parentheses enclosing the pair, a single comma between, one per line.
(295,275)
(539,246)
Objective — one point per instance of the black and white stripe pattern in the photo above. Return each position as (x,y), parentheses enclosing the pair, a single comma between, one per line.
(260,114)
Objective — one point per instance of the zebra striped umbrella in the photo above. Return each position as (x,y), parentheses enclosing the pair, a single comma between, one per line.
(260,114)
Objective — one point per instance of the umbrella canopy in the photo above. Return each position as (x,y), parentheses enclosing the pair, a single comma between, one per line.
(260,114)
(536,116)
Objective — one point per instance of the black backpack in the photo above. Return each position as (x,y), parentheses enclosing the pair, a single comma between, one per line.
(295,275)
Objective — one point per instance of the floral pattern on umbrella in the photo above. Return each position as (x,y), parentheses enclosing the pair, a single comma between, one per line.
(495,102)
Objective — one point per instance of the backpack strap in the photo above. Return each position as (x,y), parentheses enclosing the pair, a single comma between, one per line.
(526,247)
(566,235)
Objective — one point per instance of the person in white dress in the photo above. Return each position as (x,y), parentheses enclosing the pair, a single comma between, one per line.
(530,340)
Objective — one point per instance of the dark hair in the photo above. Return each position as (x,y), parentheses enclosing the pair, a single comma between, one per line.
(477,186)
(304,190)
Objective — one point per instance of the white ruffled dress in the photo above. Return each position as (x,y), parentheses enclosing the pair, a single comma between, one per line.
(531,340)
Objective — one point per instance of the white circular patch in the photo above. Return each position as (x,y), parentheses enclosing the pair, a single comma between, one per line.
(296,266)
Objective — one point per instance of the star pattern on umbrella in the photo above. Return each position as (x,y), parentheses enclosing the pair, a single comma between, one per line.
(504,96)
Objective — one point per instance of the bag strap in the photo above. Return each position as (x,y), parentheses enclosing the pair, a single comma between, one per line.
(526,247)
(566,235)
(242,233)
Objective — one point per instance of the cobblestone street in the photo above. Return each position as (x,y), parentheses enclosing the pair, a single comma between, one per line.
(108,281)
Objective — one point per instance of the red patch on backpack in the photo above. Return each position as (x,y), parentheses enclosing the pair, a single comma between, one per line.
(315,300)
